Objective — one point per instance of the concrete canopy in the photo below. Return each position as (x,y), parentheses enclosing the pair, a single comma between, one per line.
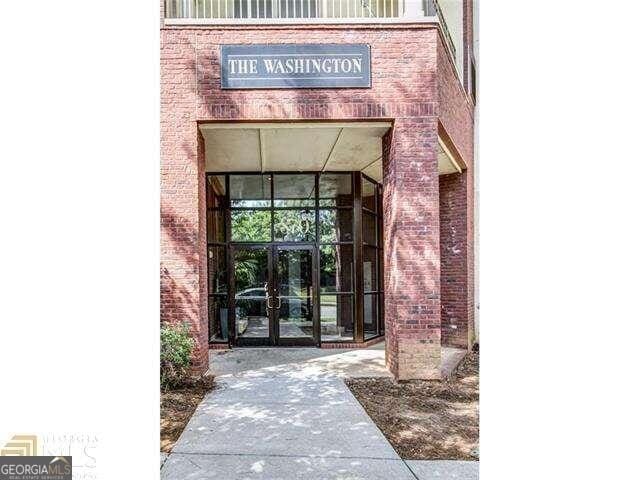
(301,146)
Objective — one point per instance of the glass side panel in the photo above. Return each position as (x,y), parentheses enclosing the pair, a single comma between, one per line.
(294,225)
(218,318)
(294,190)
(252,279)
(369,222)
(250,191)
(217,269)
(215,226)
(336,317)
(336,268)
(368,195)
(335,190)
(295,293)
(336,225)
(370,269)
(370,315)
(215,191)
(250,226)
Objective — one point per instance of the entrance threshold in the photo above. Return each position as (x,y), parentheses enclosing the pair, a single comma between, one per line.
(324,345)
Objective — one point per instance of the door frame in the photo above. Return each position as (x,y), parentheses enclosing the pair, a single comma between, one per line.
(250,341)
(274,340)
(314,340)
(224,207)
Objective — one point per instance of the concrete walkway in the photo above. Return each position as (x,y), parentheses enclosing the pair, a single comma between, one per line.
(287,414)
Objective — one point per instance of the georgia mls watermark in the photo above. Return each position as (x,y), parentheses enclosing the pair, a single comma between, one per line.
(49,457)
(35,468)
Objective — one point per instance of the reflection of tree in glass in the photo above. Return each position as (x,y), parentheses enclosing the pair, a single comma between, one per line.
(250,269)
(251,226)
(327,225)
(336,225)
(294,225)
(246,272)
(328,263)
(334,268)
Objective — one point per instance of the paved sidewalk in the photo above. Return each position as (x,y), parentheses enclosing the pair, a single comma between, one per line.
(292,419)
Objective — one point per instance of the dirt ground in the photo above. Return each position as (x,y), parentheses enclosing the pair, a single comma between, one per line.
(426,420)
(177,406)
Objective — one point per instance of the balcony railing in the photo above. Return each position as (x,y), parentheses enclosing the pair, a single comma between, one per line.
(304,11)
(286,9)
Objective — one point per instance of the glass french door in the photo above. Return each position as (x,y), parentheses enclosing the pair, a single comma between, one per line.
(274,295)
(294,307)
(252,287)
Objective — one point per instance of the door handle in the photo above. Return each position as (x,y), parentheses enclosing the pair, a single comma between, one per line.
(271,306)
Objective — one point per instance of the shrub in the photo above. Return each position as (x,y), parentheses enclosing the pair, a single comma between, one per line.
(176,347)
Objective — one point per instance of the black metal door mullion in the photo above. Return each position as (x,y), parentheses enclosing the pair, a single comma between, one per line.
(274,321)
(315,269)
(315,274)
(231,277)
(358,259)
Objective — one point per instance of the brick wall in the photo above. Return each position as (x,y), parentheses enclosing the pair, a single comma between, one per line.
(405,88)
(397,91)
(181,200)
(455,113)
(453,255)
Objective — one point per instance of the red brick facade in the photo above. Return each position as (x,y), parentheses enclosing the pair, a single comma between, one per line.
(454,260)
(407,87)
(455,113)
(412,249)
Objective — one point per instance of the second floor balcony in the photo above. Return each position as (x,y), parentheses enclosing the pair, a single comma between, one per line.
(221,12)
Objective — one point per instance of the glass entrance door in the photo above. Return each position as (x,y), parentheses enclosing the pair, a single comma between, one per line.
(294,308)
(252,286)
(274,295)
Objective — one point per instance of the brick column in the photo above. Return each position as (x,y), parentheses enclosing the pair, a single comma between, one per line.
(182,200)
(412,249)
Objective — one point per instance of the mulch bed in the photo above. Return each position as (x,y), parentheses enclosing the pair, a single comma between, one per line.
(426,420)
(176,407)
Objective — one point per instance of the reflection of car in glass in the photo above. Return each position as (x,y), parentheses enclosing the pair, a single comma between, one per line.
(292,307)
(252,292)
